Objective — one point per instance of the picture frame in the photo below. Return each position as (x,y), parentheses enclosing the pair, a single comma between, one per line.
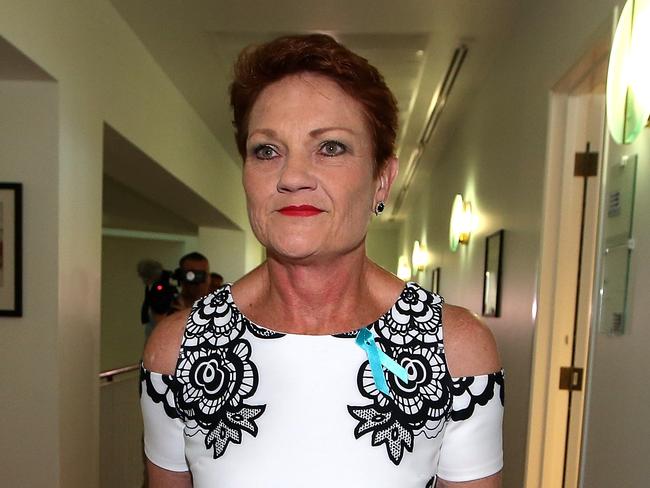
(11,256)
(492,274)
(435,280)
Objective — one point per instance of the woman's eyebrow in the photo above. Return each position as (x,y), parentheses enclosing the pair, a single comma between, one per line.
(318,132)
(264,132)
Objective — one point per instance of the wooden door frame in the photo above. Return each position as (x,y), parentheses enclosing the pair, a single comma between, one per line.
(557,280)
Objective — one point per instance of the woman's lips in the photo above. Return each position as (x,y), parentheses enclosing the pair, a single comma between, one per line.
(300,211)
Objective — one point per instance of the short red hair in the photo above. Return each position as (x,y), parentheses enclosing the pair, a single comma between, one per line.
(259,66)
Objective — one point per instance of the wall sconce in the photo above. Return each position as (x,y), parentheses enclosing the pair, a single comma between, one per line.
(403,269)
(420,257)
(628,74)
(461,223)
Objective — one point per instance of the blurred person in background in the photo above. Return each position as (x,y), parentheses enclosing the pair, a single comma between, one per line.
(216,280)
(150,271)
(193,277)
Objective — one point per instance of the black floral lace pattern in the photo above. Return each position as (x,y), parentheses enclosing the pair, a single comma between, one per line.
(469,392)
(215,374)
(216,377)
(163,394)
(411,334)
(414,319)
(214,320)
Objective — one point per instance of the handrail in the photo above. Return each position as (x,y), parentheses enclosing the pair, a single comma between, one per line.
(109,374)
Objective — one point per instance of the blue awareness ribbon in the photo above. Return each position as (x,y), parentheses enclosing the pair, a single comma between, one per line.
(378,360)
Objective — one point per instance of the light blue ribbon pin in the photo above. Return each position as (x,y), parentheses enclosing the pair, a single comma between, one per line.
(378,359)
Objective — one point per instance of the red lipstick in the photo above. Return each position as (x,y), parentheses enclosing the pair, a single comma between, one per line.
(300,211)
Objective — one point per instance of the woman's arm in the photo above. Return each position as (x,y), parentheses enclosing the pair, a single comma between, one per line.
(163,478)
(470,351)
(160,356)
(493,481)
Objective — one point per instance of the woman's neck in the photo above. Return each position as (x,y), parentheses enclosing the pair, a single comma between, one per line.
(317,298)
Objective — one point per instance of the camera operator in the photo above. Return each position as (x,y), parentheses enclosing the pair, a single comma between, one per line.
(150,272)
(193,276)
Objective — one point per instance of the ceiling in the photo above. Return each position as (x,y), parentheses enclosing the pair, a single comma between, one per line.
(141,196)
(15,66)
(411,42)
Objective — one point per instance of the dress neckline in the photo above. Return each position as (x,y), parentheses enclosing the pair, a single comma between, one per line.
(346,333)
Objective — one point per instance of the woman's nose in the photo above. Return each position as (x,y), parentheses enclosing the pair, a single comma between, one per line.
(296,174)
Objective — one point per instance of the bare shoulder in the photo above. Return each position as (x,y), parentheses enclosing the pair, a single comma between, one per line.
(470,347)
(164,343)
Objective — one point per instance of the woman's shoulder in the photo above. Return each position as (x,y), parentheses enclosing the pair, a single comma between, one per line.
(249,287)
(470,348)
(163,346)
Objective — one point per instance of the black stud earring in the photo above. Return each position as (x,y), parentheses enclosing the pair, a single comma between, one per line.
(379,208)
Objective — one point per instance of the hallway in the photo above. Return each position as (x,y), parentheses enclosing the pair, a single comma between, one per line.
(114,117)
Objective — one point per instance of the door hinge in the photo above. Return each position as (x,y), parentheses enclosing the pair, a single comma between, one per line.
(571,378)
(586,163)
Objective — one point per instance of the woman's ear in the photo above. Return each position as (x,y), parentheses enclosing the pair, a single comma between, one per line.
(386,178)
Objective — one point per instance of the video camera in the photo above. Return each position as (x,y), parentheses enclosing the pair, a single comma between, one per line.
(160,296)
(191,276)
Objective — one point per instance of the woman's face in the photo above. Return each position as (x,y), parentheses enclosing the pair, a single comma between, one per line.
(308,173)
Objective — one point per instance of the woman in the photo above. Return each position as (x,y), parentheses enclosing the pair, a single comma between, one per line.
(319,368)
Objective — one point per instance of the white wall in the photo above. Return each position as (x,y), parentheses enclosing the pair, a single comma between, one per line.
(104,76)
(382,245)
(226,251)
(496,160)
(617,426)
(29,375)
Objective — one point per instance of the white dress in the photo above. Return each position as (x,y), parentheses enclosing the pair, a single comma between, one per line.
(249,407)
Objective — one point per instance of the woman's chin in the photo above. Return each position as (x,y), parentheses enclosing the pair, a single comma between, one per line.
(298,247)
(301,251)
(293,253)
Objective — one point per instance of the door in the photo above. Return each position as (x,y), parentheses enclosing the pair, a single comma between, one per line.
(572,380)
(566,277)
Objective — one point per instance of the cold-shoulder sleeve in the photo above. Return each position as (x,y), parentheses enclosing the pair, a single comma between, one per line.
(164,443)
(472,443)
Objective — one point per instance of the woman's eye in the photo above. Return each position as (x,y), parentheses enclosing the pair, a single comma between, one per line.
(332,148)
(265,151)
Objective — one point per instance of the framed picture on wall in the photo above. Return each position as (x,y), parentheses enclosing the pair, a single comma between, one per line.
(435,280)
(492,275)
(11,271)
